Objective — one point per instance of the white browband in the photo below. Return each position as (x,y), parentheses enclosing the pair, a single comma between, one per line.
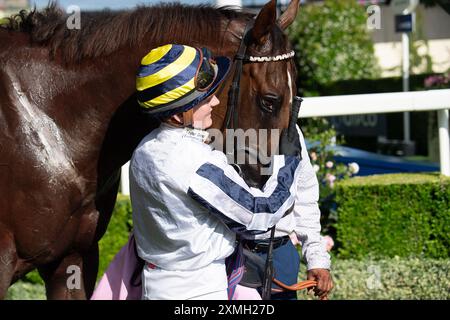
(269,59)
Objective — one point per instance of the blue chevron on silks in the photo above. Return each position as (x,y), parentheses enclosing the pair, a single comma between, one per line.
(247,211)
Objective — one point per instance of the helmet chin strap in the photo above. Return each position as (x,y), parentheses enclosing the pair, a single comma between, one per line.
(188,117)
(181,120)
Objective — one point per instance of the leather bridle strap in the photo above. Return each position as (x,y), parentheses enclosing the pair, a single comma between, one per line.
(268,272)
(233,93)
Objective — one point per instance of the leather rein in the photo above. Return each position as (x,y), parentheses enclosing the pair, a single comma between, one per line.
(231,122)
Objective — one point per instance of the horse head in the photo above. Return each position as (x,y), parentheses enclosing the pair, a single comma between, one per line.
(267,88)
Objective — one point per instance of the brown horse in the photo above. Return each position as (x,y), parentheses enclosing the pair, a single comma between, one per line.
(69,121)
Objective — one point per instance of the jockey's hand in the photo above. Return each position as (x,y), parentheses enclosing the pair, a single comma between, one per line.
(324,282)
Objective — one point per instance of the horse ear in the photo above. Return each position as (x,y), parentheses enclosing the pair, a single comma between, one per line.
(264,22)
(289,15)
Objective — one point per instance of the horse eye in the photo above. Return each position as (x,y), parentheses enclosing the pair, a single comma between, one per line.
(269,102)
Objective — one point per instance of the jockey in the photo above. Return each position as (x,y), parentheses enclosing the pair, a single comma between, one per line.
(188,203)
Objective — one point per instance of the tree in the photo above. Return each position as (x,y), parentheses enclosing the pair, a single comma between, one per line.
(332,43)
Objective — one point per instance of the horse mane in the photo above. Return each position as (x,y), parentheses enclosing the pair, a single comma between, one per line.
(103,32)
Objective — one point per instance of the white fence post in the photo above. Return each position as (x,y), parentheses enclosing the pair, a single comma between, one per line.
(221,3)
(125,180)
(444,142)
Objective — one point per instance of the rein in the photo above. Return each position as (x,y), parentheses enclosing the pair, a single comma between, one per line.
(233,93)
(231,122)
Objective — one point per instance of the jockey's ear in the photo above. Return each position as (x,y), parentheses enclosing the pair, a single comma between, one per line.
(264,22)
(289,15)
(175,120)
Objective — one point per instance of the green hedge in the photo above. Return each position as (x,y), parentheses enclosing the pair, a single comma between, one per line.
(394,215)
(388,279)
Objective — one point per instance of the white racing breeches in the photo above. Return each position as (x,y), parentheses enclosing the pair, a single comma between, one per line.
(208,283)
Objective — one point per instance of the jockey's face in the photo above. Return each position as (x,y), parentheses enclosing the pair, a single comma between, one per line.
(201,116)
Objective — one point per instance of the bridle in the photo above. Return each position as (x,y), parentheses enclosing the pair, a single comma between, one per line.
(231,117)
(234,91)
(231,122)
(241,58)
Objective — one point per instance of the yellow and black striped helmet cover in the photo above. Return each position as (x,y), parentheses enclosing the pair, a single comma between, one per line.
(166,75)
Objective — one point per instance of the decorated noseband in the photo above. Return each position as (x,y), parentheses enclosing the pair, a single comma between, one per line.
(269,59)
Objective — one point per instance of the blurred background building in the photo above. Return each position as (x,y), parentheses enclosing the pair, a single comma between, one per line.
(433,27)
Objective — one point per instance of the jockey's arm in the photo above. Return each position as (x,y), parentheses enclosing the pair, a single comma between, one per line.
(217,186)
(307,214)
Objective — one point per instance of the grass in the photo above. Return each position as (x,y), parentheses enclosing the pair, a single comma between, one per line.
(388,279)
(22,290)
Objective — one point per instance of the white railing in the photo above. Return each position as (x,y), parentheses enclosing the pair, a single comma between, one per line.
(328,106)
(430,100)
